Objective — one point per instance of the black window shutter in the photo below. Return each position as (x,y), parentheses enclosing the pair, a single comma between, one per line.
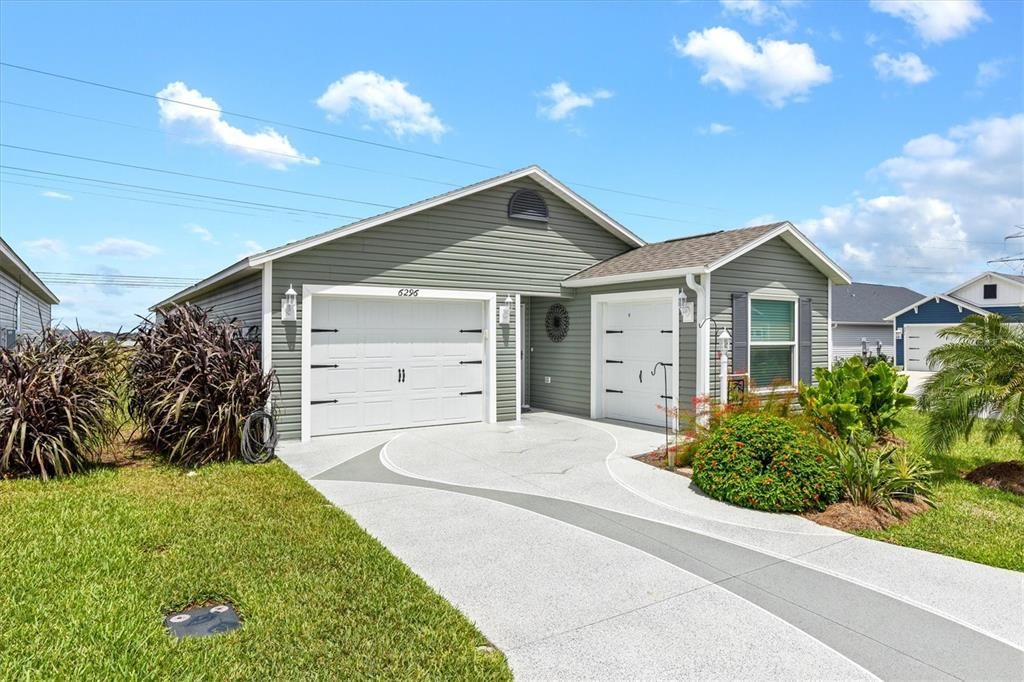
(804,346)
(740,333)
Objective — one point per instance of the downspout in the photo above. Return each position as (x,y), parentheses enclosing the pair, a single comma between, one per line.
(702,333)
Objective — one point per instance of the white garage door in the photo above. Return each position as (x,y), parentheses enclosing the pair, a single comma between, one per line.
(390,364)
(637,335)
(918,341)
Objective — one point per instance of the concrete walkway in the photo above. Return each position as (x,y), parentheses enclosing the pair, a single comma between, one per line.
(581,563)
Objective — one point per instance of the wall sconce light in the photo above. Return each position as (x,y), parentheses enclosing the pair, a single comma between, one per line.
(505,311)
(290,305)
(685,307)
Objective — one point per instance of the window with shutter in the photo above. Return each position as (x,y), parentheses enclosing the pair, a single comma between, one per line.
(772,341)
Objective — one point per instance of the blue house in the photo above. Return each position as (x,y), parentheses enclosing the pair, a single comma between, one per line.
(917,326)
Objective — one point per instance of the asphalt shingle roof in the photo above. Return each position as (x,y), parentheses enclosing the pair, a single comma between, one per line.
(861,302)
(695,251)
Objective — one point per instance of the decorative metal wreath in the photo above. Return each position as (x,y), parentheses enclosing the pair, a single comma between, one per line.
(556,322)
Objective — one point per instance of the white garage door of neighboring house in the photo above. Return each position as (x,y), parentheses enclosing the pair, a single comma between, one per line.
(918,341)
(636,336)
(381,364)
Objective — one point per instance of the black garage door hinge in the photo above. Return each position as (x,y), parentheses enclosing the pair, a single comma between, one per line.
(666,397)
(666,331)
(471,393)
(321,402)
(612,390)
(613,362)
(471,362)
(612,331)
(471,331)
(333,331)
(323,366)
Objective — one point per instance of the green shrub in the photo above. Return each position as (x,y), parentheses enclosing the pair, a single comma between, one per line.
(59,402)
(194,382)
(851,397)
(874,477)
(764,462)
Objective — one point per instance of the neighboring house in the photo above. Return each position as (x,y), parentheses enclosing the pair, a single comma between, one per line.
(917,325)
(24,300)
(516,291)
(858,318)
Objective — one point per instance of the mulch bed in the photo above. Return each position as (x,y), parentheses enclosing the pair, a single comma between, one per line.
(1006,476)
(657,458)
(850,517)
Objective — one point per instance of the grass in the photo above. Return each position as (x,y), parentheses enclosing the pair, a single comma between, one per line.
(971,522)
(90,565)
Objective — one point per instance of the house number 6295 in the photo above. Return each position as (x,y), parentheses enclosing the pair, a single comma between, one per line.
(408,292)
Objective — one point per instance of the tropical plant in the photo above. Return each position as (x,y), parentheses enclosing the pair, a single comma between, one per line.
(875,477)
(59,402)
(764,462)
(851,397)
(194,381)
(981,374)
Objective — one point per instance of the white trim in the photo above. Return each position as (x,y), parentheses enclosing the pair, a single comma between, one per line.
(800,243)
(937,297)
(489,298)
(519,359)
(40,290)
(597,302)
(534,172)
(633,277)
(829,363)
(267,327)
(794,344)
(983,276)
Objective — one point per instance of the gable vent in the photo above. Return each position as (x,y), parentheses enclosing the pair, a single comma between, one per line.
(527,204)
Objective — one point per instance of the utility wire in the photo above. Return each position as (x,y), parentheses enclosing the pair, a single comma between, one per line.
(339,136)
(177,192)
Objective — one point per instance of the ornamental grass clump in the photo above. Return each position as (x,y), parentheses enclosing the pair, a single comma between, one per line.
(764,462)
(194,382)
(60,402)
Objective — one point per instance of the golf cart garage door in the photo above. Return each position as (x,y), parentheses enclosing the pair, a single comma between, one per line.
(636,335)
(918,341)
(382,363)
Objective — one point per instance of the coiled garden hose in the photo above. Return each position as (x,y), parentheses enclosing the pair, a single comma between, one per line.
(259,437)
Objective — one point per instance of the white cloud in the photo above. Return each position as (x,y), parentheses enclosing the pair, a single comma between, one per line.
(204,120)
(957,195)
(54,247)
(715,129)
(906,67)
(989,72)
(129,248)
(562,101)
(935,21)
(50,194)
(201,232)
(249,247)
(776,70)
(758,12)
(383,100)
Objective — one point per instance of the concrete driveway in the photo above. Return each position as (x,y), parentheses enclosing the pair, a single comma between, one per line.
(581,563)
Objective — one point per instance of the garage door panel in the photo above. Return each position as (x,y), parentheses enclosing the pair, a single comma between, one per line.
(378,338)
(640,341)
(918,342)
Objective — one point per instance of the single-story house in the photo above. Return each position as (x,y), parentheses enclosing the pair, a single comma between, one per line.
(858,318)
(917,325)
(516,291)
(24,300)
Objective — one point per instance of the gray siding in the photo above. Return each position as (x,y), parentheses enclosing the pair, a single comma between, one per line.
(35,313)
(774,267)
(846,339)
(567,362)
(469,243)
(241,300)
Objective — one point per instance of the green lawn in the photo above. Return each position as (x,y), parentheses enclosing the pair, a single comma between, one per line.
(971,522)
(89,565)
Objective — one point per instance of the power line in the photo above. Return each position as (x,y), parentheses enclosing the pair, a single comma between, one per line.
(348,138)
(255,204)
(208,178)
(166,133)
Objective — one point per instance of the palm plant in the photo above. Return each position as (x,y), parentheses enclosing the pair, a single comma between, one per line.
(981,375)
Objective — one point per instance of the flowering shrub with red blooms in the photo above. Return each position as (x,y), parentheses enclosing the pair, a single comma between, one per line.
(764,462)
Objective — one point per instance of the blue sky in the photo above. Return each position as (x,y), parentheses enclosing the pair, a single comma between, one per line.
(890,132)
